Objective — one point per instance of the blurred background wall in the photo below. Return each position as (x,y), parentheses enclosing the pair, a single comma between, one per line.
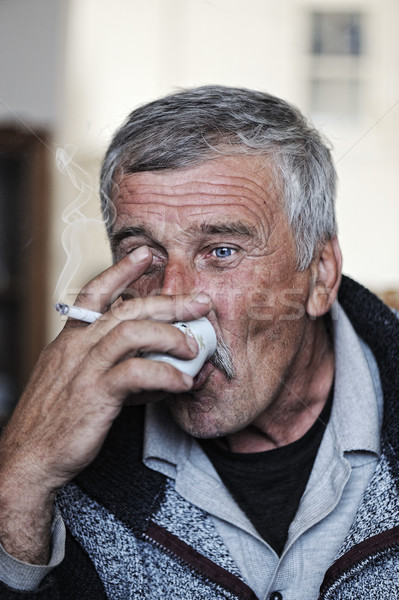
(71,70)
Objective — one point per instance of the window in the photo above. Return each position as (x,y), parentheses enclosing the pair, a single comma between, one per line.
(336,33)
(337,50)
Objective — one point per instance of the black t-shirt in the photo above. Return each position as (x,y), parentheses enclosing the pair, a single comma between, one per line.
(268,486)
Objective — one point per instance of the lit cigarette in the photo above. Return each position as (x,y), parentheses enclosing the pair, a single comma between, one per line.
(75,312)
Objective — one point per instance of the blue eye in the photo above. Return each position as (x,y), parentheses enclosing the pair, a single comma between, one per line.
(223,252)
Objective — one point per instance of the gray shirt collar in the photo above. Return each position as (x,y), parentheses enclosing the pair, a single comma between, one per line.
(357,409)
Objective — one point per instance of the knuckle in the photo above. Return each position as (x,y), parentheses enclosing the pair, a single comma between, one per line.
(131,369)
(86,295)
(96,359)
(128,309)
(128,331)
(161,307)
(94,294)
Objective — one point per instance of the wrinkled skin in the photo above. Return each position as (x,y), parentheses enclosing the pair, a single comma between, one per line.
(221,228)
(218,228)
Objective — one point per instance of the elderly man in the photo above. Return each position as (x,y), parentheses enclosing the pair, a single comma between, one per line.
(273,473)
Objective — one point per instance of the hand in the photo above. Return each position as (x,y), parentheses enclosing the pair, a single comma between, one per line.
(78,388)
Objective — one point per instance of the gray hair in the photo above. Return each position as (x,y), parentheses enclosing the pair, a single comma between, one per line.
(192,126)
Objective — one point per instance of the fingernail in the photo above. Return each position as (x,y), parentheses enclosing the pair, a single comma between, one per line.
(140,254)
(202,298)
(191,343)
(188,380)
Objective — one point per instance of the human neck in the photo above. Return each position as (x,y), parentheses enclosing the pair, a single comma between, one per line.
(298,402)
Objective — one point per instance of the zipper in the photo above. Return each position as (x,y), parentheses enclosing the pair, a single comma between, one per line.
(358,556)
(210,572)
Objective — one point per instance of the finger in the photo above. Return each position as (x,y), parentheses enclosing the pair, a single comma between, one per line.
(163,308)
(101,291)
(137,337)
(137,375)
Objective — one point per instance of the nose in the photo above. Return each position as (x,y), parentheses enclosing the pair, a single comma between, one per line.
(179,277)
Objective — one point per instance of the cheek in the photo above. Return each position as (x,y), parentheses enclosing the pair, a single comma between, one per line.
(237,292)
(231,299)
(277,304)
(277,292)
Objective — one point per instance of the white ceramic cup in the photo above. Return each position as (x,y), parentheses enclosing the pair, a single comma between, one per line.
(204,334)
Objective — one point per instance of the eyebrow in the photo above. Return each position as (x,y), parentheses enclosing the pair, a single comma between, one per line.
(235,228)
(127,232)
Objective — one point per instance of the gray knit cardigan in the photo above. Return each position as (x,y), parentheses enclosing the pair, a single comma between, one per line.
(131,536)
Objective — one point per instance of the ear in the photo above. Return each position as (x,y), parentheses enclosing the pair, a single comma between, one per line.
(325,274)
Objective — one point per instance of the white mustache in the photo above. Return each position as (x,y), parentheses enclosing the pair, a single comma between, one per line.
(223,360)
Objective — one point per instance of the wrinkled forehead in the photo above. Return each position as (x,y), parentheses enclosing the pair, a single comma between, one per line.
(226,200)
(227,184)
